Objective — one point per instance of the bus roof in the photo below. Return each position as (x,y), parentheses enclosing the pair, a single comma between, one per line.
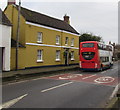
(90,42)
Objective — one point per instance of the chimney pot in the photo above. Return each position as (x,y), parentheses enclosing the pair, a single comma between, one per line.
(66,19)
(11,2)
(109,42)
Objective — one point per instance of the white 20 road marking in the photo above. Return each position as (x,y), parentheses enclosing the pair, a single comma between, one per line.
(56,87)
(12,102)
(105,79)
(89,76)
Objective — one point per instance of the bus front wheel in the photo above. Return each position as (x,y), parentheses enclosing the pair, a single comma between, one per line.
(101,68)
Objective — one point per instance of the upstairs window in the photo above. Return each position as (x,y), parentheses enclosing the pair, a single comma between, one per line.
(88,45)
(72,42)
(58,39)
(66,41)
(39,37)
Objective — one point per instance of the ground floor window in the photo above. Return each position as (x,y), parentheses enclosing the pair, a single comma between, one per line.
(39,55)
(57,55)
(72,55)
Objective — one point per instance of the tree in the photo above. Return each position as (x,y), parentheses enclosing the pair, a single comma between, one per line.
(90,37)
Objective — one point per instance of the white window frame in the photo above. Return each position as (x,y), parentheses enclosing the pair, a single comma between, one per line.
(72,42)
(72,55)
(40,37)
(57,40)
(39,55)
(57,55)
(66,40)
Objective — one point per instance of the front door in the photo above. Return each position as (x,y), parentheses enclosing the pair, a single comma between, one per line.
(66,57)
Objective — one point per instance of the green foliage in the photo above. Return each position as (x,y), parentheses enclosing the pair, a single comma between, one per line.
(89,37)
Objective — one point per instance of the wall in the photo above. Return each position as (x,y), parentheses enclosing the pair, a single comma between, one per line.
(5,41)
(49,46)
(21,58)
(1,59)
(12,13)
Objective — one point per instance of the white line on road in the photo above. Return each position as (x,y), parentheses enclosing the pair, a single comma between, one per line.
(103,72)
(12,102)
(56,86)
(115,91)
(89,76)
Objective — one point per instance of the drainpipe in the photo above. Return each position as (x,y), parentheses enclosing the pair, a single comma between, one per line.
(18,35)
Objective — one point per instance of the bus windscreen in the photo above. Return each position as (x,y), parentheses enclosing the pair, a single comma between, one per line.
(88,55)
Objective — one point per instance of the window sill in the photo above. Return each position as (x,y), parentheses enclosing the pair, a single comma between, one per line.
(72,59)
(57,44)
(57,60)
(39,61)
(39,42)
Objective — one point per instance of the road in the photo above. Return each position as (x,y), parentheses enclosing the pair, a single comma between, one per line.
(75,89)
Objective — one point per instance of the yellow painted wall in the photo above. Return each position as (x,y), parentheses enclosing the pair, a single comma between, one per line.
(49,53)
(21,60)
(12,13)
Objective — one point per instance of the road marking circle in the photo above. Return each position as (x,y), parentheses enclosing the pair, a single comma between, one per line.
(105,79)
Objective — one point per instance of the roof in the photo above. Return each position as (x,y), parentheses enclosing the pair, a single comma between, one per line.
(3,19)
(38,18)
(13,43)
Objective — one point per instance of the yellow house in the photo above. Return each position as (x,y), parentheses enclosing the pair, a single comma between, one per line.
(44,40)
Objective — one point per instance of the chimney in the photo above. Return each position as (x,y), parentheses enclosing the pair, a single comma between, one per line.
(113,44)
(110,42)
(66,19)
(11,2)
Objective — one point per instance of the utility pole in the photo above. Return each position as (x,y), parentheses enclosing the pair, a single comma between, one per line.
(18,35)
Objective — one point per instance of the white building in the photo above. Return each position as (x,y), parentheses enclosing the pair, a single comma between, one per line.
(5,42)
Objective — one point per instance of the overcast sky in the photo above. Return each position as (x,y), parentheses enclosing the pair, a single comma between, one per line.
(99,17)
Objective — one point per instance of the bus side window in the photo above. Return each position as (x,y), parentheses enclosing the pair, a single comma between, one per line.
(100,46)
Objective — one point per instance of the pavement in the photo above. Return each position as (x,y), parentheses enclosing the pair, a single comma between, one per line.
(37,70)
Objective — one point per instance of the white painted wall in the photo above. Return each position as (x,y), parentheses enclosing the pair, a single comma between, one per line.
(5,41)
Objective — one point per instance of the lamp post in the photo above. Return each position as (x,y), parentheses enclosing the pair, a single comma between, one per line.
(18,35)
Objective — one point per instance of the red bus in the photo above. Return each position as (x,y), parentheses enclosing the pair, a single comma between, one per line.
(95,55)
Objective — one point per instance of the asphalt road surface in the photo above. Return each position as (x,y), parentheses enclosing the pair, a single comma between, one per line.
(75,89)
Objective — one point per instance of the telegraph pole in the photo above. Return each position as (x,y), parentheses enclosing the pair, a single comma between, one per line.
(18,35)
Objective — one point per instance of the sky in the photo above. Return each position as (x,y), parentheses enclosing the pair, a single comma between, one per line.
(99,17)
